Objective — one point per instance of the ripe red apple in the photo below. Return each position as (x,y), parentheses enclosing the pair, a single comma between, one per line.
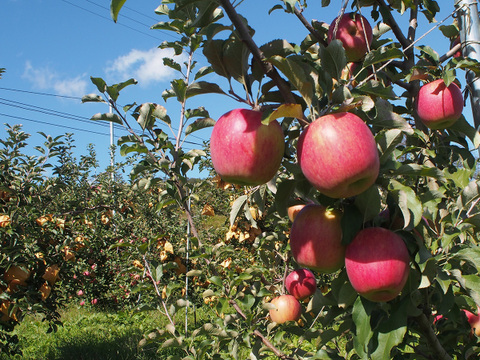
(244,151)
(287,308)
(355,33)
(439,106)
(474,321)
(316,239)
(293,210)
(377,264)
(301,283)
(338,155)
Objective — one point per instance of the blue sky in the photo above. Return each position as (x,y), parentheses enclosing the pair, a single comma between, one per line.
(50,48)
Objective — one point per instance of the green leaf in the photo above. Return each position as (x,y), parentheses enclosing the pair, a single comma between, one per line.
(92,98)
(351,223)
(107,117)
(381,55)
(369,202)
(295,74)
(333,58)
(213,51)
(419,170)
(361,314)
(115,6)
(172,64)
(203,71)
(388,141)
(237,206)
(199,124)
(408,203)
(203,87)
(386,118)
(235,57)
(376,88)
(470,254)
(99,83)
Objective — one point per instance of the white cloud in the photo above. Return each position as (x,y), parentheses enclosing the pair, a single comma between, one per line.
(145,66)
(44,78)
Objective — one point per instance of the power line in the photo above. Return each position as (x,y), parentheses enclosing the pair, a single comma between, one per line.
(42,93)
(64,115)
(109,19)
(51,124)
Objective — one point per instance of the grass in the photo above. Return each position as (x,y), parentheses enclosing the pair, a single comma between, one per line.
(88,334)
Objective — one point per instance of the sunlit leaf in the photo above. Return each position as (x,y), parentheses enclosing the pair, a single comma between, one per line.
(107,117)
(115,7)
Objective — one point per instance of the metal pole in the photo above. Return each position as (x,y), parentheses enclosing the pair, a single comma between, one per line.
(469,25)
(187,260)
(112,152)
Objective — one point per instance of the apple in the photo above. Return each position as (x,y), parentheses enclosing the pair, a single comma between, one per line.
(474,321)
(316,239)
(244,151)
(293,210)
(355,33)
(377,264)
(301,283)
(287,308)
(439,106)
(338,155)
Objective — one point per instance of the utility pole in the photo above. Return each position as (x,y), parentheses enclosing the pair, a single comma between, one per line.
(469,25)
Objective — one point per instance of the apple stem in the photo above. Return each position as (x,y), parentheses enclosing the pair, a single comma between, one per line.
(257,333)
(432,339)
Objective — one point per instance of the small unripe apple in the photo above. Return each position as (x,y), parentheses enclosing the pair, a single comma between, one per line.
(301,283)
(244,151)
(377,264)
(287,308)
(355,33)
(316,239)
(338,155)
(439,106)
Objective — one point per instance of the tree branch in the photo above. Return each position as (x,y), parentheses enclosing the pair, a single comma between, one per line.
(309,27)
(429,334)
(258,55)
(257,333)
(390,21)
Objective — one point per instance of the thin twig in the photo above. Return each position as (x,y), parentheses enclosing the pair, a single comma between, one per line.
(257,333)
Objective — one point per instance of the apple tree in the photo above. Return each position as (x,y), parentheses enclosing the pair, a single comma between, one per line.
(400,189)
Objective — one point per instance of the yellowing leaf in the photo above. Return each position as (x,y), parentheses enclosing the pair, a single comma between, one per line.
(5,220)
(168,247)
(208,210)
(284,110)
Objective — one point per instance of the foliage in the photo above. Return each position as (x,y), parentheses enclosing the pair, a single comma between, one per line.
(427,192)
(426,183)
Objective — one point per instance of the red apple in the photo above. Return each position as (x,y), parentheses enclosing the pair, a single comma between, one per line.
(338,155)
(316,239)
(439,106)
(244,151)
(293,210)
(474,321)
(377,264)
(355,33)
(287,308)
(301,283)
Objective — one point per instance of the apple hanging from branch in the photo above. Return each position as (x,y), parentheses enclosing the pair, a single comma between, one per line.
(377,264)
(244,151)
(316,239)
(301,283)
(287,308)
(355,33)
(439,106)
(338,155)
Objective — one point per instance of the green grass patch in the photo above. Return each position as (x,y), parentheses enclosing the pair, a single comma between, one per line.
(89,334)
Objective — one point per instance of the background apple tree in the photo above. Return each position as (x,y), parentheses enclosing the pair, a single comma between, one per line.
(426,190)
